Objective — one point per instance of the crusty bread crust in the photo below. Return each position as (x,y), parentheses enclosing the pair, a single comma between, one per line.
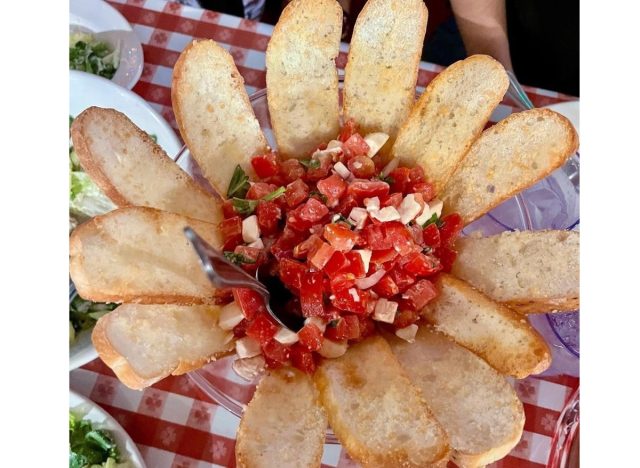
(508,158)
(382,67)
(121,366)
(302,80)
(283,425)
(133,170)
(494,332)
(376,412)
(449,116)
(140,255)
(476,406)
(214,113)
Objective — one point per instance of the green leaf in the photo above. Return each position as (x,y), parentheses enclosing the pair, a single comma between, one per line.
(434,219)
(388,179)
(239,184)
(321,196)
(310,163)
(342,219)
(238,259)
(246,207)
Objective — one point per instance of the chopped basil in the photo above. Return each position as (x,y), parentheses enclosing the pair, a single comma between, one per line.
(239,184)
(342,219)
(333,323)
(310,163)
(321,196)
(246,207)
(238,259)
(388,179)
(434,219)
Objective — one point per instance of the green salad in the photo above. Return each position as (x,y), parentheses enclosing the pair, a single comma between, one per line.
(88,55)
(86,200)
(92,448)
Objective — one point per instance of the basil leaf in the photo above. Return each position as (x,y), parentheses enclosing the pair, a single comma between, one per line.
(310,163)
(321,196)
(433,219)
(388,179)
(246,207)
(238,259)
(239,184)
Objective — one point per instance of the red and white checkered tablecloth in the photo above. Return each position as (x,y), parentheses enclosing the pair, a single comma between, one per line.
(173,422)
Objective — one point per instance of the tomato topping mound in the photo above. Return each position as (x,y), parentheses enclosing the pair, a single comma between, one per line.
(357,245)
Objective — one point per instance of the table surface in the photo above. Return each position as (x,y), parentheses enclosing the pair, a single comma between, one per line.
(173,422)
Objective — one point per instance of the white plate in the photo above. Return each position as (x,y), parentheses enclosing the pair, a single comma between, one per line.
(98,16)
(86,90)
(571,110)
(100,419)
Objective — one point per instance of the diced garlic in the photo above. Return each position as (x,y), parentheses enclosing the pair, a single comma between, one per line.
(375,141)
(318,322)
(230,316)
(366,257)
(249,368)
(435,206)
(408,333)
(372,204)
(247,347)
(342,170)
(388,213)
(250,229)
(370,281)
(332,349)
(409,209)
(358,217)
(285,336)
(385,310)
(258,244)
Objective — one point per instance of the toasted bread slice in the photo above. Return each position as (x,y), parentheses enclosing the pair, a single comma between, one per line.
(132,170)
(143,344)
(302,80)
(449,116)
(529,271)
(140,255)
(494,332)
(284,424)
(476,406)
(382,67)
(507,158)
(376,412)
(214,113)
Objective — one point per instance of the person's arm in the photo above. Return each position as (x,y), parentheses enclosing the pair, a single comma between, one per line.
(483,27)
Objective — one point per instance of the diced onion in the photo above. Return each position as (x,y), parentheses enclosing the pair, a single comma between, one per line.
(342,170)
(408,333)
(230,316)
(385,310)
(370,281)
(332,349)
(249,368)
(247,347)
(390,167)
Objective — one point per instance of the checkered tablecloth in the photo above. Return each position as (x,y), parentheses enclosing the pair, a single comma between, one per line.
(173,422)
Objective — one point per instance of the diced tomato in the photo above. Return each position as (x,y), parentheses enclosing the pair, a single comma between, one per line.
(391,200)
(352,323)
(361,166)
(292,170)
(401,180)
(259,190)
(340,237)
(269,215)
(342,281)
(401,278)
(405,317)
(262,328)
(425,189)
(297,192)
(367,327)
(333,187)
(378,257)
(346,327)
(356,145)
(376,238)
(228,211)
(310,337)
(447,256)
(356,265)
(335,263)
(319,258)
(420,264)
(230,228)
(276,351)
(251,253)
(265,165)
(283,246)
(308,246)
(416,233)
(431,236)
(361,189)
(311,300)
(386,287)
(416,175)
(348,129)
(291,273)
(347,203)
(302,358)
(251,303)
(325,162)
(418,295)
(312,211)
(450,230)
(240,330)
(351,300)
(399,236)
